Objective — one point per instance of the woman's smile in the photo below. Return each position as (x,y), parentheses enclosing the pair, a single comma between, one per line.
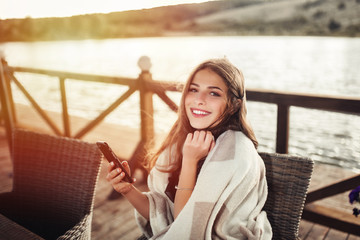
(199,112)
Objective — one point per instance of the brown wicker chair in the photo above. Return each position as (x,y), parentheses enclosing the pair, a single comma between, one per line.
(53,190)
(288,179)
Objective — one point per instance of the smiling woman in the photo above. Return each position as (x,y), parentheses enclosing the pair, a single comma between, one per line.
(206,180)
(65,8)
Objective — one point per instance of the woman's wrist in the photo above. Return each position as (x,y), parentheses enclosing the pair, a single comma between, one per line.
(189,164)
(127,190)
(187,178)
(187,172)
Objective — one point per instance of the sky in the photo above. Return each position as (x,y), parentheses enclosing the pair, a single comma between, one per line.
(64,8)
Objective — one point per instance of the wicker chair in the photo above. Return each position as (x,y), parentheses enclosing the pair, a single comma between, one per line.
(53,190)
(288,179)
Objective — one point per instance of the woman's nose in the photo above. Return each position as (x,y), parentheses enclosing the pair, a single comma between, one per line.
(200,99)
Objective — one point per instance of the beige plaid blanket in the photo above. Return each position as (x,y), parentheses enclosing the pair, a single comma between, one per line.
(226,203)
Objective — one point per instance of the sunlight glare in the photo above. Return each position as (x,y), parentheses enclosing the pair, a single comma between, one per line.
(64,8)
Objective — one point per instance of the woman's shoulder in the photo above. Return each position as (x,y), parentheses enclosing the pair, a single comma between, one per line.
(237,137)
(166,158)
(238,143)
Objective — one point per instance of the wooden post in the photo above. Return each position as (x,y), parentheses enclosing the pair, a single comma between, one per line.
(146,101)
(64,108)
(6,104)
(146,115)
(282,132)
(9,91)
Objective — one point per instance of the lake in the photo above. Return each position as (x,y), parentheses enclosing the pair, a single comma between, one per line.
(320,65)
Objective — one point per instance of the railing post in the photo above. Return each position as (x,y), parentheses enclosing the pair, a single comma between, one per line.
(282,131)
(6,104)
(146,101)
(9,91)
(64,108)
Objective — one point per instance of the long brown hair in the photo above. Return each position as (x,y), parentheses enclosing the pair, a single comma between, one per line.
(234,116)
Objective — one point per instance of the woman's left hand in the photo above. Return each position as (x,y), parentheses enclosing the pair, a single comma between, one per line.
(197,146)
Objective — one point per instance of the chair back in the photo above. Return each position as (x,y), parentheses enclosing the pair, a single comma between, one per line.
(288,179)
(55,178)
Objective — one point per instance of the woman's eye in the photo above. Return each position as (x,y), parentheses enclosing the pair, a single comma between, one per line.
(192,90)
(215,94)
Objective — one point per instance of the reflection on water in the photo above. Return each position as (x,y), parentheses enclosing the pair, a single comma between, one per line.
(319,65)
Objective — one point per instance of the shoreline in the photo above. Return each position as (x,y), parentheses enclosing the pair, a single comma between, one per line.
(185,34)
(297,17)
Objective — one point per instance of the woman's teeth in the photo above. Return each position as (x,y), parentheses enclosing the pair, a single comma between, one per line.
(198,112)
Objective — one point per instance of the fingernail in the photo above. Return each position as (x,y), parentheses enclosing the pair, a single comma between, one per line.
(118,170)
(122,174)
(134,179)
(112,163)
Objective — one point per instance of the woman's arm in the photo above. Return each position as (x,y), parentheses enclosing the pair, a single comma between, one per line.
(197,145)
(128,190)
(187,180)
(139,201)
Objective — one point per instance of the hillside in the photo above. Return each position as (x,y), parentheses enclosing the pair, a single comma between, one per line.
(294,17)
(227,17)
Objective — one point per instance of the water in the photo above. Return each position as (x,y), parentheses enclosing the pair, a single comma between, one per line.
(319,65)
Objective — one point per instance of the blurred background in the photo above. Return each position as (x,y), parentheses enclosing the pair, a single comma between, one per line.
(306,46)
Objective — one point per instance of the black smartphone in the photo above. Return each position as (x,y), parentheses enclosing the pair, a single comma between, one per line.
(111,157)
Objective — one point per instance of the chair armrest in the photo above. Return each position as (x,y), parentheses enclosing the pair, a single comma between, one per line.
(11,230)
(81,231)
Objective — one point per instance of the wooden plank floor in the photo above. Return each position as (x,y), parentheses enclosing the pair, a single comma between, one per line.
(114,218)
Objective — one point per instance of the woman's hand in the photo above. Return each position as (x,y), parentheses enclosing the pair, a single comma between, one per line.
(197,145)
(115,176)
(139,200)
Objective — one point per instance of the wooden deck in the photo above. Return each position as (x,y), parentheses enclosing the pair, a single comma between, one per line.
(114,218)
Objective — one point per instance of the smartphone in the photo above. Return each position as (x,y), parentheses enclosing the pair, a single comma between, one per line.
(111,157)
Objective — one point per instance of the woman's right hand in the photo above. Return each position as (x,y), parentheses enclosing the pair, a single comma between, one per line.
(115,176)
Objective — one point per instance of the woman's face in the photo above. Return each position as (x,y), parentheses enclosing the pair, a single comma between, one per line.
(206,99)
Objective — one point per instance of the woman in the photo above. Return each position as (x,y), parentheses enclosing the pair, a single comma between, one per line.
(206,180)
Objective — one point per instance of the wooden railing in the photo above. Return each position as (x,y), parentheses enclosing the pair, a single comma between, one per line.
(147,87)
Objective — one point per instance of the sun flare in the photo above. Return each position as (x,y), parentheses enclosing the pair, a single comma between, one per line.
(45,8)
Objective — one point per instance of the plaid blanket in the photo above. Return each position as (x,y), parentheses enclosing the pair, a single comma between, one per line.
(227,200)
